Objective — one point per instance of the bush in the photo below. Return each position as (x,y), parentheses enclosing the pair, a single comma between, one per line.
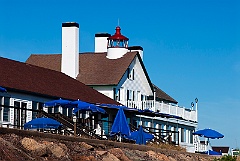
(226,158)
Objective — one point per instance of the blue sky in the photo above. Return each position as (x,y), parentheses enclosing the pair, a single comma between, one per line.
(191,47)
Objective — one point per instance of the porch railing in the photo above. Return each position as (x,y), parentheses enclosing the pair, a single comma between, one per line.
(172,109)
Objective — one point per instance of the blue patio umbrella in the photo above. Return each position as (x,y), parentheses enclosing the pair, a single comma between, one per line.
(84,106)
(42,123)
(211,152)
(119,106)
(59,102)
(2,89)
(120,125)
(209,133)
(140,136)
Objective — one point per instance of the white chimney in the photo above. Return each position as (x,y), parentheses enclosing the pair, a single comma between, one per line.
(101,42)
(70,49)
(136,48)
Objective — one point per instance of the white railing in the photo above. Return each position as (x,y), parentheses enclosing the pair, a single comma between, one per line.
(162,107)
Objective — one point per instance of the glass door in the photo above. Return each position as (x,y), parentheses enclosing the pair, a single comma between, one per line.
(20,114)
(23,113)
(17,114)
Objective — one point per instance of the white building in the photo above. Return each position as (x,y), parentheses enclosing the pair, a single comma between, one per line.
(117,70)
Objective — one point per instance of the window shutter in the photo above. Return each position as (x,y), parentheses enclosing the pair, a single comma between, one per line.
(128,73)
(133,74)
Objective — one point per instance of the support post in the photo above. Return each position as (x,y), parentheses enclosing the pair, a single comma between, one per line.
(75,125)
(196,101)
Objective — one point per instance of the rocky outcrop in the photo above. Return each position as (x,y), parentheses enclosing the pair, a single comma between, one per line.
(45,148)
(8,151)
(14,147)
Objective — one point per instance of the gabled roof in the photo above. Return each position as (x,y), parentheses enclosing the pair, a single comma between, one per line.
(31,79)
(163,96)
(94,68)
(97,69)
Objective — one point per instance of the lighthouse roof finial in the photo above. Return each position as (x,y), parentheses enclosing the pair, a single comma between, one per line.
(118,35)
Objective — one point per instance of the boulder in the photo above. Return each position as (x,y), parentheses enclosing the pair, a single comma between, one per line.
(101,152)
(57,150)
(34,147)
(86,146)
(109,157)
(157,156)
(119,154)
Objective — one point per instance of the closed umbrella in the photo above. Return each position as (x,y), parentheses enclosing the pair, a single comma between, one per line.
(140,136)
(120,125)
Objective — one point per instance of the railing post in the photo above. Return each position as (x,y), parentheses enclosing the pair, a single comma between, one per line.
(75,125)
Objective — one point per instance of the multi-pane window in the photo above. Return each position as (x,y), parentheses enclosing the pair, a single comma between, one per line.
(182,135)
(129,95)
(6,110)
(191,136)
(176,134)
(130,74)
(34,107)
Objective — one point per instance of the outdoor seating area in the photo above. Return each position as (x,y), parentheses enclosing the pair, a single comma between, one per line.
(87,120)
(118,130)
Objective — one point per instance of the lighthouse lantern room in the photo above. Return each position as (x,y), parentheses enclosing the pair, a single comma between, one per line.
(117,45)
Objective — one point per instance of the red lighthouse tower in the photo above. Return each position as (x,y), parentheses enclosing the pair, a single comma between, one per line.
(117,45)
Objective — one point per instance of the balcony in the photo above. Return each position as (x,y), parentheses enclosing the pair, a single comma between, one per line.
(186,114)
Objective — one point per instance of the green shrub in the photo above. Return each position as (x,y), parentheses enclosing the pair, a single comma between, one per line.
(226,158)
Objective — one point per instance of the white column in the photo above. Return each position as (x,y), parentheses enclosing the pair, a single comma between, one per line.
(149,124)
(180,135)
(164,127)
(187,136)
(61,109)
(157,127)
(173,134)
